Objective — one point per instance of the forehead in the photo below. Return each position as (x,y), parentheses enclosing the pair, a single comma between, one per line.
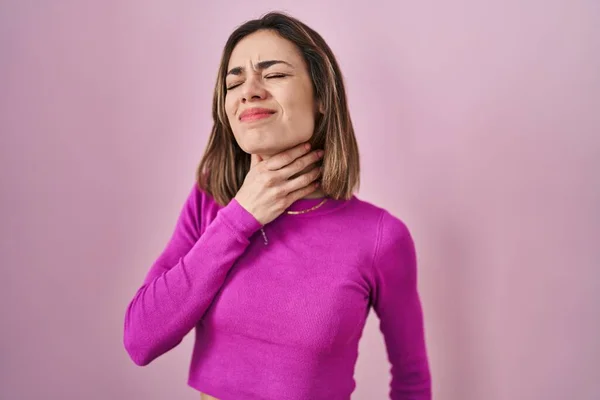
(263,45)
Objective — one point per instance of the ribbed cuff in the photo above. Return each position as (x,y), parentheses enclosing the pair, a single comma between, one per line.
(239,219)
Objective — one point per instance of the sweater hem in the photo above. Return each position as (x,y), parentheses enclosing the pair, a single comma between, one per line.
(207,388)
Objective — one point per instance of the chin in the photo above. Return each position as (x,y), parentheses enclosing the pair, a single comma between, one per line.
(262,148)
(255,148)
(261,142)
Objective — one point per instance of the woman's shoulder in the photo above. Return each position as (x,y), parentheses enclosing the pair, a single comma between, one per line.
(387,223)
(382,234)
(372,210)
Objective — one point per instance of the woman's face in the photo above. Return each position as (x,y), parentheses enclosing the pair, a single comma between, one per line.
(269,101)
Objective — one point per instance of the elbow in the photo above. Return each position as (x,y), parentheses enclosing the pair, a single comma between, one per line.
(145,340)
(136,340)
(144,348)
(138,353)
(141,360)
(137,345)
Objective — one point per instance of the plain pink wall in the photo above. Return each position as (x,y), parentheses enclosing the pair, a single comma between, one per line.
(478,124)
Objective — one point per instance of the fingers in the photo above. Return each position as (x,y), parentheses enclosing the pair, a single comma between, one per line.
(302,192)
(300,164)
(302,181)
(284,158)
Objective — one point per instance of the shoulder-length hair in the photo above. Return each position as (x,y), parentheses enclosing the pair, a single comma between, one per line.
(224,166)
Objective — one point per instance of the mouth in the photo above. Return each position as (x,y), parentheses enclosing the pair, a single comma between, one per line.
(255,114)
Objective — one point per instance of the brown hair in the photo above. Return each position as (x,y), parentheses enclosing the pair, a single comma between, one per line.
(224,165)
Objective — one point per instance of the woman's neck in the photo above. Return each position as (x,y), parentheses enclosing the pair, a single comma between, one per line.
(315,195)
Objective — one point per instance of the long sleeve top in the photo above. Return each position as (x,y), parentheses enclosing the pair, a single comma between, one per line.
(281,318)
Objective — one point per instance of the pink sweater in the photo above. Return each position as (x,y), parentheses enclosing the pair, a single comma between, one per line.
(282,321)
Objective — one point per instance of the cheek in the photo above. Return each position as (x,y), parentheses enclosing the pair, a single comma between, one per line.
(300,113)
(294,100)
(229,111)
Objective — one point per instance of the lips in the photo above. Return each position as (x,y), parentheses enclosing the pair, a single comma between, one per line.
(256,113)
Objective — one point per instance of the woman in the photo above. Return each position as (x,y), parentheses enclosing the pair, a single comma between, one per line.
(274,261)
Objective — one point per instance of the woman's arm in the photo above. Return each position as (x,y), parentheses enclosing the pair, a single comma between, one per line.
(183,281)
(396,302)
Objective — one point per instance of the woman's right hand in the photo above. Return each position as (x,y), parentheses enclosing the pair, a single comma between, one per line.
(268,191)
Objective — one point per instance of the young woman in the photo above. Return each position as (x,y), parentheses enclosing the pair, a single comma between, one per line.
(274,261)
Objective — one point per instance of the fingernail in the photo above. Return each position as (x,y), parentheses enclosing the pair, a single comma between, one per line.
(307,146)
(320,153)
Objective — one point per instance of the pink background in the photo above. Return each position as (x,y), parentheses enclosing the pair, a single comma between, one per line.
(478,124)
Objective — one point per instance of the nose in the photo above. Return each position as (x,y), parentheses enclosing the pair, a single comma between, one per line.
(253,89)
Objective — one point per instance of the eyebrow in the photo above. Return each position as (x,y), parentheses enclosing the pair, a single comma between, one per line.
(259,66)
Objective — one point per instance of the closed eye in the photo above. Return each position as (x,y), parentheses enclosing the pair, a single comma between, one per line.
(271,76)
(233,86)
(275,76)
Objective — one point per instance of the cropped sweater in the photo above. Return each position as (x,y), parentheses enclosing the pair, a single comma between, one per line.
(281,319)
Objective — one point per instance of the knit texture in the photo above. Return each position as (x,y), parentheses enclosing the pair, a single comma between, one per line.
(282,321)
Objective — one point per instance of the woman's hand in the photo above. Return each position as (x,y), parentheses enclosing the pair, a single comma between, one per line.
(268,191)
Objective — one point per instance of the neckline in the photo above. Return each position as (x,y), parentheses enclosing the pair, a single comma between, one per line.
(304,204)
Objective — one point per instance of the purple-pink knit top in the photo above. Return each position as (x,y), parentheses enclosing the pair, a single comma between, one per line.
(282,320)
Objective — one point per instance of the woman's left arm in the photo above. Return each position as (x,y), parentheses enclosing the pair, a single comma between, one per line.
(395,300)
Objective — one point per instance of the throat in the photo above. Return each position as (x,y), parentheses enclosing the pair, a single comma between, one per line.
(318,194)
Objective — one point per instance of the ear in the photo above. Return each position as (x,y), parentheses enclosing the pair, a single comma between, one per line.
(320,107)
